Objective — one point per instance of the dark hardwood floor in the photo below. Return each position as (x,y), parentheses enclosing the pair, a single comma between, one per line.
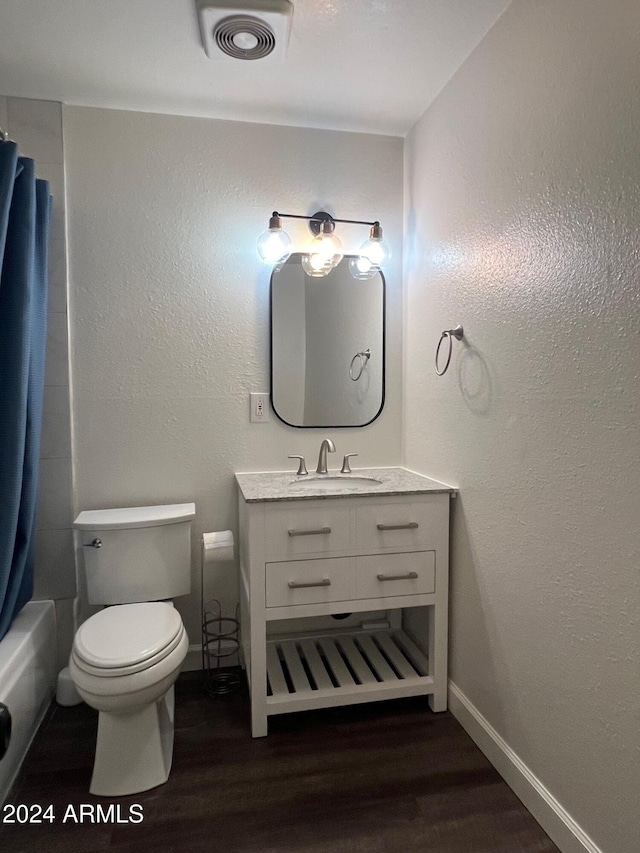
(390,777)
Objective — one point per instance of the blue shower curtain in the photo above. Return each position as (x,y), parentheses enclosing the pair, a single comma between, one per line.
(24,230)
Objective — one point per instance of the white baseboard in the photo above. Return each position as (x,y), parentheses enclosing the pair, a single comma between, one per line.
(550,814)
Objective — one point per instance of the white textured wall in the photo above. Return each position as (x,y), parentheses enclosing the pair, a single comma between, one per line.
(522,215)
(170,304)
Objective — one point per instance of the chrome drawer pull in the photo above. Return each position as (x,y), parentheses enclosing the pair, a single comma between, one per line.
(409,525)
(309,532)
(410,576)
(323,582)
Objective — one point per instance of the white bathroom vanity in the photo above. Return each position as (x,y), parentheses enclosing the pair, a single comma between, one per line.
(375,540)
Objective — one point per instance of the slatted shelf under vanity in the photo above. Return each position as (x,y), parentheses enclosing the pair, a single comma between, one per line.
(343,669)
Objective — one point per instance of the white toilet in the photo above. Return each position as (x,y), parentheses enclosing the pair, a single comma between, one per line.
(126,658)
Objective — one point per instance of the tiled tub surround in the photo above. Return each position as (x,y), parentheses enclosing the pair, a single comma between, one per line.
(376,546)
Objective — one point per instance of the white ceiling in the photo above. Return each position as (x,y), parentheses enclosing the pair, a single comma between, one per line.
(360,65)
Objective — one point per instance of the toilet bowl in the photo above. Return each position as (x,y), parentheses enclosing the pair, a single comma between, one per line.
(124,662)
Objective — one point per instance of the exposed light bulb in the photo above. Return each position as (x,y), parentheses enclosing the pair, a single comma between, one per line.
(315,265)
(325,252)
(362,269)
(375,248)
(274,245)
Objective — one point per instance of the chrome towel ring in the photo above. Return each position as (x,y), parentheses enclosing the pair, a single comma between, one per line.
(363,359)
(458,334)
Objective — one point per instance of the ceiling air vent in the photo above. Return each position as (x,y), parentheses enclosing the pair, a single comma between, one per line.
(251,29)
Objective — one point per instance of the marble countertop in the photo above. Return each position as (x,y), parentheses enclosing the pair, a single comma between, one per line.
(287,486)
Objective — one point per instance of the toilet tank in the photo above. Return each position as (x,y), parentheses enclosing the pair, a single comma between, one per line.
(143,553)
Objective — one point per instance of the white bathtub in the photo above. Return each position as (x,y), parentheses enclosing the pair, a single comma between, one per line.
(27,680)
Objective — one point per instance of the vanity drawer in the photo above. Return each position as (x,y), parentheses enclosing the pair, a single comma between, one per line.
(384,575)
(294,530)
(309,581)
(407,525)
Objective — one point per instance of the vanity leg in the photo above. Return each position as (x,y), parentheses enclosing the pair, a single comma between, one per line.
(438,700)
(258,682)
(438,638)
(258,721)
(258,725)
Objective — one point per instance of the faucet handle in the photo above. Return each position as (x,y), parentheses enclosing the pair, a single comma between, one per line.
(346,468)
(302,468)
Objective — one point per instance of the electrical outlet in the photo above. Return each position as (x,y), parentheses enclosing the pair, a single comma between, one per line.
(259,411)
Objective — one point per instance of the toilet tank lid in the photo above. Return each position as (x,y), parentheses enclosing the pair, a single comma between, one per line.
(134,516)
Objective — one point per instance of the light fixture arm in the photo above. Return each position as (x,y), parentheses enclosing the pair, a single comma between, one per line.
(325,252)
(318,218)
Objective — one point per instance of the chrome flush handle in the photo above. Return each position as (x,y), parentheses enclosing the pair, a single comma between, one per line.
(96,543)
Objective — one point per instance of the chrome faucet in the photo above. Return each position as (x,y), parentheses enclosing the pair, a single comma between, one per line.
(327,445)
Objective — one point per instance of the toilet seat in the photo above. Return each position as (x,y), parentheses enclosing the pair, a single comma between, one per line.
(129,685)
(127,638)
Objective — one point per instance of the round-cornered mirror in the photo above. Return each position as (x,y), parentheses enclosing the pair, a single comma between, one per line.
(327,346)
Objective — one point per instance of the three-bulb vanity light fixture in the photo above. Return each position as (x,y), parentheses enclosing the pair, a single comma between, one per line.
(325,251)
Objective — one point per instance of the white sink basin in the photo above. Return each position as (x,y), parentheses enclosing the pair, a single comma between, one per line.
(334,483)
